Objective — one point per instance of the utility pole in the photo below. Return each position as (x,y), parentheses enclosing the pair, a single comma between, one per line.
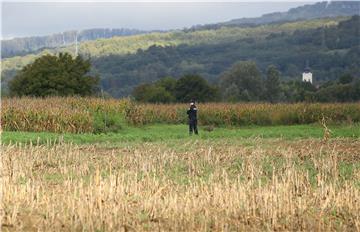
(323,43)
(63,38)
(76,44)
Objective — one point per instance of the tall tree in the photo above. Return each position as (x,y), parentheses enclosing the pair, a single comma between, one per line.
(231,93)
(152,93)
(168,83)
(346,79)
(272,84)
(52,75)
(246,76)
(194,87)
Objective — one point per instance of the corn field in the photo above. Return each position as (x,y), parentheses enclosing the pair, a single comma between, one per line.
(92,115)
(226,114)
(74,115)
(304,185)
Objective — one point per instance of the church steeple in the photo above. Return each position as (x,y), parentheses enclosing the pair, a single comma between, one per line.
(307,67)
(307,75)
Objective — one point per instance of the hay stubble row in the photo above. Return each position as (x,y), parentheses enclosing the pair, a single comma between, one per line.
(196,186)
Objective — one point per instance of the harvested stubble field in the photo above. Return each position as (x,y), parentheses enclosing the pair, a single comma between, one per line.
(224,180)
(192,185)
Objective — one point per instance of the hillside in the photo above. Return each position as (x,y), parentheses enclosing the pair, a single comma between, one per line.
(124,62)
(310,11)
(330,50)
(23,46)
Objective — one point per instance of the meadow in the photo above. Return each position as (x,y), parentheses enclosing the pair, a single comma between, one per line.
(126,171)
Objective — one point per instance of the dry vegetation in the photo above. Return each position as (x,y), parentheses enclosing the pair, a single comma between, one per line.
(74,115)
(218,185)
(93,115)
(244,114)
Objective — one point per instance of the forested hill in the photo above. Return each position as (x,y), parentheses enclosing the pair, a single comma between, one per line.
(22,46)
(331,51)
(330,45)
(313,11)
(131,44)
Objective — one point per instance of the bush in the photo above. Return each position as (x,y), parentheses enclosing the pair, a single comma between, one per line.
(104,123)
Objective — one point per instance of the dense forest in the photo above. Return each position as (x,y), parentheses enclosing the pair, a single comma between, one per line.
(330,46)
(243,82)
(331,52)
(124,62)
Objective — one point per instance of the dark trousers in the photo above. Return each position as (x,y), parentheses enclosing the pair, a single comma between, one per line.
(193,126)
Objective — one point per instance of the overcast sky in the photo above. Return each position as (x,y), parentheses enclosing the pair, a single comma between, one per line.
(42,18)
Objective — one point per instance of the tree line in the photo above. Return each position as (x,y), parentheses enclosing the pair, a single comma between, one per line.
(243,82)
(64,75)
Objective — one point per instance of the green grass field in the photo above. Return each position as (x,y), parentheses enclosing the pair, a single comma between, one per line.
(163,132)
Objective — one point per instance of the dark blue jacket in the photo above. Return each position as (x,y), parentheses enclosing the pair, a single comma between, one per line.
(192,113)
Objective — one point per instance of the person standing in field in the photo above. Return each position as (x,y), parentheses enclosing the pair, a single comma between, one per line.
(192,114)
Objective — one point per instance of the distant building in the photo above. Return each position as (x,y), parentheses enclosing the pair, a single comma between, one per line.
(307,75)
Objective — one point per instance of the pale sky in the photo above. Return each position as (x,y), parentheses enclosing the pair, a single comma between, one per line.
(21,19)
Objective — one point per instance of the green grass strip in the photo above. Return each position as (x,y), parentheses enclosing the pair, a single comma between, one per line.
(162,132)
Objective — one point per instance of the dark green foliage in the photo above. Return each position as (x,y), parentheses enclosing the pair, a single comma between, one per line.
(243,82)
(246,77)
(339,92)
(231,93)
(187,88)
(286,50)
(153,94)
(346,79)
(159,92)
(194,87)
(168,83)
(331,49)
(301,91)
(21,46)
(272,84)
(107,122)
(51,75)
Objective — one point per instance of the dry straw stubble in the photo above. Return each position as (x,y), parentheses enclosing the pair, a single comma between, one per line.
(198,186)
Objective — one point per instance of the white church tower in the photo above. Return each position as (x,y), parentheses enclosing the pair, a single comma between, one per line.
(307,75)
